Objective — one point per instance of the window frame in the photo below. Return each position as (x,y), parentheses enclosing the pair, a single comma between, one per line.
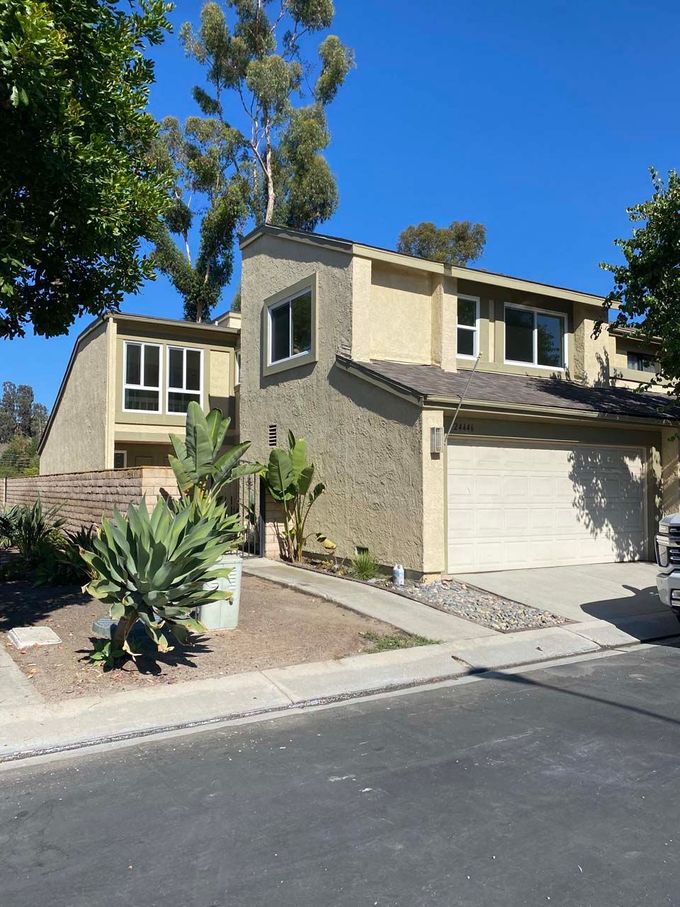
(642,371)
(475,330)
(142,387)
(535,364)
(183,390)
(237,368)
(271,304)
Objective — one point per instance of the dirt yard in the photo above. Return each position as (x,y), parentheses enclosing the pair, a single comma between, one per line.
(277,627)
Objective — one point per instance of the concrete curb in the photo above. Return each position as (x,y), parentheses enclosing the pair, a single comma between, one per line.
(139,715)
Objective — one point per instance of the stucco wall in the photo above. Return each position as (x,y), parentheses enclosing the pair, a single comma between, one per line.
(401,314)
(87,496)
(365,442)
(77,436)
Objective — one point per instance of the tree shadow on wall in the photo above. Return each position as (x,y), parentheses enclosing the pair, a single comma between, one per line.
(609,494)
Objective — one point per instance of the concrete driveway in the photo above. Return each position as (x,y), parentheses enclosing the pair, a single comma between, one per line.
(620,594)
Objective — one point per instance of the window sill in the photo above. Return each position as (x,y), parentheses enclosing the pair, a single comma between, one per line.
(285,365)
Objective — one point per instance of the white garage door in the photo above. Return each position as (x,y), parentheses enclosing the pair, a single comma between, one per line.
(526,504)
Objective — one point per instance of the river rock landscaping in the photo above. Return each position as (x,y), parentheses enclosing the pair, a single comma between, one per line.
(481,607)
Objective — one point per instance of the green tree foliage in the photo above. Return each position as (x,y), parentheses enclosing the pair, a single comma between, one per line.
(19,457)
(78,187)
(253,154)
(19,413)
(458,244)
(647,285)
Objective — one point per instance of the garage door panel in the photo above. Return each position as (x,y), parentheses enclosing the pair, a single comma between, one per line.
(522,504)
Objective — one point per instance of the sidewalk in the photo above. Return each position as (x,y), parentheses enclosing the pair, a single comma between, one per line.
(30,727)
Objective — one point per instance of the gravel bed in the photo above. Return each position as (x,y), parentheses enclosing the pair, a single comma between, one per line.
(483,608)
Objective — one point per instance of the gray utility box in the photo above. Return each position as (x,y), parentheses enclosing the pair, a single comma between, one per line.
(667,548)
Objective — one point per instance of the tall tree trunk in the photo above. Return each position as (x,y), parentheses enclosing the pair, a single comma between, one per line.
(269,175)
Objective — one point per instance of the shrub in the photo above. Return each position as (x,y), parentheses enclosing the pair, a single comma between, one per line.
(153,568)
(33,530)
(363,566)
(62,563)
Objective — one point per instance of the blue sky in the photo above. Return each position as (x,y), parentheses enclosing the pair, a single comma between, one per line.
(538,119)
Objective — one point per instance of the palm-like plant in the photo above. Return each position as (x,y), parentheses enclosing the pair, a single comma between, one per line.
(200,465)
(289,481)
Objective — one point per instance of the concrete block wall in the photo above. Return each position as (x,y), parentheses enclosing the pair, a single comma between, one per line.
(85,497)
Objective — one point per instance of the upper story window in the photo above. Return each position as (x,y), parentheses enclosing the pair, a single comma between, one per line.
(290,328)
(185,368)
(534,337)
(642,362)
(142,389)
(468,327)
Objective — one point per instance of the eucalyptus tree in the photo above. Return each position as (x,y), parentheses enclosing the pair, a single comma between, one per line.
(458,244)
(255,153)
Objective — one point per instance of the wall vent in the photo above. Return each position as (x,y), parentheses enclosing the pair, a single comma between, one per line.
(273,436)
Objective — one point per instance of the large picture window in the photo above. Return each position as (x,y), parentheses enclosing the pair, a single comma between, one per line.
(536,338)
(468,327)
(142,377)
(290,328)
(184,378)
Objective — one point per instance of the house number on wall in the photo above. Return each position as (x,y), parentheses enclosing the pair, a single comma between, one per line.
(466,427)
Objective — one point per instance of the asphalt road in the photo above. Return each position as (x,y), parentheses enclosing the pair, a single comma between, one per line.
(557,786)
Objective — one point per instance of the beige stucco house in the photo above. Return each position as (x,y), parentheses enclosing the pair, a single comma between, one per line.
(127,386)
(461,420)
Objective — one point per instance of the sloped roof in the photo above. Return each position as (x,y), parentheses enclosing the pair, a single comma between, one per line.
(429,383)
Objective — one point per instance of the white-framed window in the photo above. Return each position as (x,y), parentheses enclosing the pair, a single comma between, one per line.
(290,328)
(535,337)
(142,372)
(237,368)
(120,459)
(185,378)
(468,327)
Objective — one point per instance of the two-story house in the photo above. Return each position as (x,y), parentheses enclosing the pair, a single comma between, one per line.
(127,387)
(461,420)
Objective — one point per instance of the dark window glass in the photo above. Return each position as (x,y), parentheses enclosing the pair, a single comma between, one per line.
(193,370)
(176,368)
(141,399)
(179,402)
(641,362)
(466,343)
(151,366)
(133,368)
(519,335)
(467,312)
(549,340)
(119,459)
(280,332)
(302,324)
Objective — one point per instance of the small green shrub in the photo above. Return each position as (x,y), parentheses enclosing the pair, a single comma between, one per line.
(363,566)
(7,527)
(62,562)
(34,530)
(386,643)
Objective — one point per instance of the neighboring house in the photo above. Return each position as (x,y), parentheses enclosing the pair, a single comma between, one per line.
(127,386)
(461,420)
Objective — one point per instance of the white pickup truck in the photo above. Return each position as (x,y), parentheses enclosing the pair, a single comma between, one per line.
(667,547)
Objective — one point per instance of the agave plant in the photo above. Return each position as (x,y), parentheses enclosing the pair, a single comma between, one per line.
(200,465)
(289,481)
(154,568)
